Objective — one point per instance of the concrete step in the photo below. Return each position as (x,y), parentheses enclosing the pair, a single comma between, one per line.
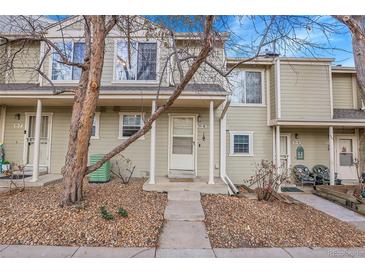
(182,234)
(199,187)
(183,195)
(184,211)
(181,174)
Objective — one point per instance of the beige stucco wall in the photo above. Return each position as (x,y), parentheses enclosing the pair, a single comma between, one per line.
(305,91)
(138,152)
(342,90)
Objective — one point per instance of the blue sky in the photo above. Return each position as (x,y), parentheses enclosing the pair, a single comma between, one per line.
(328,44)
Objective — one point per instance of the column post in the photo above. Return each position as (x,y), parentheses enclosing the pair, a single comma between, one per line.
(277,152)
(332,156)
(153,148)
(37,141)
(211,143)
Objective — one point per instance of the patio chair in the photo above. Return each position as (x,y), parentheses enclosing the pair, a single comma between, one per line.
(322,176)
(303,175)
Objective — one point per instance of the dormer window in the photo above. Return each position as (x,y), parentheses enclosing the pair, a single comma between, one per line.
(138,63)
(247,87)
(74,51)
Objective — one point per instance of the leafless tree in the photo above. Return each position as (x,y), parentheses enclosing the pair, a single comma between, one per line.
(356,25)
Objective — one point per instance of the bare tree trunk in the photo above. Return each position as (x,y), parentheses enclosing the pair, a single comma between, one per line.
(83,111)
(355,23)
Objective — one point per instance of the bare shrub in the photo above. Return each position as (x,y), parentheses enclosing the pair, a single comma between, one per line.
(123,168)
(268,179)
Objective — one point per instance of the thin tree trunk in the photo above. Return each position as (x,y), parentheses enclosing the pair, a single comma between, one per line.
(355,23)
(83,112)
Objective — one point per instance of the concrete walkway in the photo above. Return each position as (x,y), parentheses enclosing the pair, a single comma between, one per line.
(184,233)
(331,208)
(23,251)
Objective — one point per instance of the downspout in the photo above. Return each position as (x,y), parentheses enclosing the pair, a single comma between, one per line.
(223,172)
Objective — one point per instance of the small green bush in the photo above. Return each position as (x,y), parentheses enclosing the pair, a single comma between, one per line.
(105,214)
(122,212)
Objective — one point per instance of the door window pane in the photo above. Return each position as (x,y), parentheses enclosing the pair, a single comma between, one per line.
(283,145)
(182,145)
(183,126)
(346,152)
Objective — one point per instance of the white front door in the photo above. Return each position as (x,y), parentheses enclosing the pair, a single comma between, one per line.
(182,143)
(285,151)
(44,139)
(346,153)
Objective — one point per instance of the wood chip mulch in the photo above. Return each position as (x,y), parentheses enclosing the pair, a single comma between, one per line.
(35,217)
(234,222)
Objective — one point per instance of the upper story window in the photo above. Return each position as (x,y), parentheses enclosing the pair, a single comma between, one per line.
(247,87)
(139,64)
(74,51)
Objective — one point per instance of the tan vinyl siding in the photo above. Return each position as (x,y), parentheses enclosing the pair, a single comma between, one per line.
(248,119)
(305,92)
(315,144)
(25,62)
(342,90)
(138,152)
(272,93)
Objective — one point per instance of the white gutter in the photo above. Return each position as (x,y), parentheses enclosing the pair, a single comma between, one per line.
(223,143)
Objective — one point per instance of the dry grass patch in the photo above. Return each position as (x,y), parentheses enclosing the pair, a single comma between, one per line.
(35,217)
(237,222)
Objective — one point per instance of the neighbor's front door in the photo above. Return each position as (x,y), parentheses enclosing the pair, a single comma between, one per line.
(182,139)
(285,151)
(346,153)
(44,140)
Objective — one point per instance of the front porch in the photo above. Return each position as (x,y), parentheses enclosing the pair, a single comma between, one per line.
(199,184)
(337,146)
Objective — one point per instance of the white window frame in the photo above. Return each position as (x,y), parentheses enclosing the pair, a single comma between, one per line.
(51,61)
(250,140)
(97,126)
(263,101)
(115,81)
(121,114)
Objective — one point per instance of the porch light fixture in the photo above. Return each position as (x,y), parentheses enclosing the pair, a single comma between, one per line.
(199,118)
(296,136)
(203,138)
(17,116)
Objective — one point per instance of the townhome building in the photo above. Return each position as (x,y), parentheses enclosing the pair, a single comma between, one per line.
(287,110)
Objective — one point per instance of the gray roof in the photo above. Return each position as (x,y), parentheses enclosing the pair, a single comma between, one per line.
(190,87)
(23,24)
(348,114)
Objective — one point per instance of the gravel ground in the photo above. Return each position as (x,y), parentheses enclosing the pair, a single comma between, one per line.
(35,217)
(238,222)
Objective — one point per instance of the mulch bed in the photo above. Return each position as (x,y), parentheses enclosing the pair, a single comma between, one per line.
(35,217)
(234,222)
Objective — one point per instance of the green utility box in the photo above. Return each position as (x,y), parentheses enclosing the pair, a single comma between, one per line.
(102,174)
